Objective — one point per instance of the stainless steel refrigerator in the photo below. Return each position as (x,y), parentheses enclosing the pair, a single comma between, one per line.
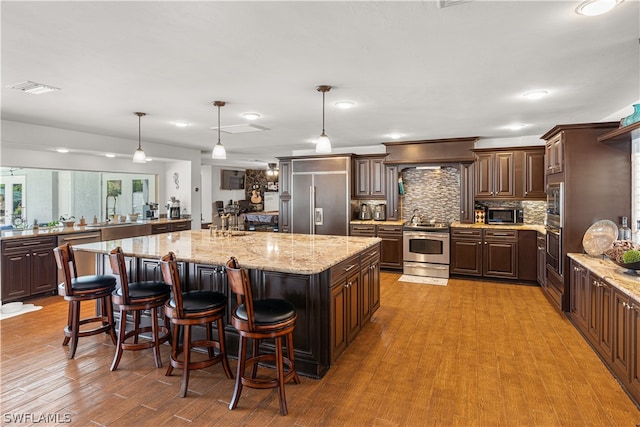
(320,202)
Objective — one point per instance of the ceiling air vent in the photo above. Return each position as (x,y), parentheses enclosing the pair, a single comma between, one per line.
(33,88)
(245,128)
(447,3)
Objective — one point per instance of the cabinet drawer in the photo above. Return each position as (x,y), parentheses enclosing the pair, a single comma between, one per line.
(8,245)
(344,267)
(367,230)
(466,233)
(390,229)
(180,226)
(159,228)
(510,235)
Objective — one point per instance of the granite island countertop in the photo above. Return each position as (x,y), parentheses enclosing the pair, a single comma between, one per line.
(611,272)
(281,252)
(51,231)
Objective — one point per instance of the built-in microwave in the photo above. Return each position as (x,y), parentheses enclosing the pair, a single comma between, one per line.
(505,216)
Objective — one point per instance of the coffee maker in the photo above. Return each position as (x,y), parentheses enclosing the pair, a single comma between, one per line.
(365,213)
(174,208)
(149,210)
(380,212)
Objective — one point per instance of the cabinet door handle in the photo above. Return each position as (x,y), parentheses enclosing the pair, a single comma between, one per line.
(349,268)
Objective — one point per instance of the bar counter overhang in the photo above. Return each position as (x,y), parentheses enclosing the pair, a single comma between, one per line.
(310,271)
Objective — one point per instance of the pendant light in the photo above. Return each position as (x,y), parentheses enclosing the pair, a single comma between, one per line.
(139,156)
(323,146)
(218,151)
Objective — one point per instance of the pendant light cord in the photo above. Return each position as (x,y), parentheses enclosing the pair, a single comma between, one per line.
(323,113)
(139,143)
(218,124)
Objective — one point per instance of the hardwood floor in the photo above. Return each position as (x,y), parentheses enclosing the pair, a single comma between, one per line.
(470,353)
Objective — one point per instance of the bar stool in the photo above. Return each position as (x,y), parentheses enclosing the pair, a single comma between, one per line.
(135,297)
(84,288)
(258,320)
(188,309)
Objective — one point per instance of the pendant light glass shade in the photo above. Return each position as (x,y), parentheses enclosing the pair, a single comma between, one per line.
(139,156)
(323,145)
(218,150)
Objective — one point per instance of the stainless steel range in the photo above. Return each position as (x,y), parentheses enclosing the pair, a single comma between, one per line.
(426,249)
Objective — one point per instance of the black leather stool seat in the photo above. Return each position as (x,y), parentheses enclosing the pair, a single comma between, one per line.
(268,311)
(197,301)
(87,283)
(140,290)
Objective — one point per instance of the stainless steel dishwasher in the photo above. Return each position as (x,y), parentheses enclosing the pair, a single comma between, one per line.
(85,261)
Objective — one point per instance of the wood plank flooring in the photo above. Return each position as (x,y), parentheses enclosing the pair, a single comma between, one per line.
(467,354)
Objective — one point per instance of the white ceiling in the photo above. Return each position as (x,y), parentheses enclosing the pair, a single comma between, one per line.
(412,67)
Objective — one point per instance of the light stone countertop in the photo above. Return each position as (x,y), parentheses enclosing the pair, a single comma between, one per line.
(374,222)
(535,227)
(620,277)
(51,231)
(282,252)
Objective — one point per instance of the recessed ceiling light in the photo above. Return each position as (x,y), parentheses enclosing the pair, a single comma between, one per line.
(395,135)
(535,94)
(251,116)
(516,126)
(110,155)
(181,124)
(62,150)
(345,105)
(596,7)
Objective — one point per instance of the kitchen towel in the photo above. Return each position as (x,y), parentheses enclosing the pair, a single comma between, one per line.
(423,280)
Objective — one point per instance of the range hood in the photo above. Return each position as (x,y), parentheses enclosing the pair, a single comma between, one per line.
(431,151)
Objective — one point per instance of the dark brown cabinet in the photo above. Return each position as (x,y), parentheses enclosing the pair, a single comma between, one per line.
(495,175)
(393,196)
(512,174)
(370,281)
(485,253)
(554,154)
(28,267)
(369,177)
(580,297)
(169,227)
(345,300)
(541,259)
(391,245)
(597,184)
(467,185)
(534,173)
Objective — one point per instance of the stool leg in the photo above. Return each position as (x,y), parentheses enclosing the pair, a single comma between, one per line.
(108,307)
(280,376)
(154,337)
(121,334)
(210,351)
(223,350)
(75,328)
(186,353)
(66,339)
(174,349)
(136,325)
(291,356)
(255,351)
(242,357)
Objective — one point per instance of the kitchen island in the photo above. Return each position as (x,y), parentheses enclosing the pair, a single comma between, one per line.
(333,281)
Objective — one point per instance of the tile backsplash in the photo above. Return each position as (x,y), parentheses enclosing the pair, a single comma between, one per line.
(436,195)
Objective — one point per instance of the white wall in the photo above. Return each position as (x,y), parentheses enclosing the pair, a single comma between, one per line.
(33,146)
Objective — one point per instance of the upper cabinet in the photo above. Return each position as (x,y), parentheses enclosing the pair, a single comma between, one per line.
(369,175)
(512,174)
(554,151)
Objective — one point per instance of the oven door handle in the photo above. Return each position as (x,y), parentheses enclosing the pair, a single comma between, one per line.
(426,234)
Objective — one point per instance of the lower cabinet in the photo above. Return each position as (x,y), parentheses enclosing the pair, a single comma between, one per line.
(541,259)
(355,296)
(168,227)
(28,268)
(484,252)
(609,319)
(391,245)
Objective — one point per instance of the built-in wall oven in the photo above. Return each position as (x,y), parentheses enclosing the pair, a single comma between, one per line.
(426,250)
(554,222)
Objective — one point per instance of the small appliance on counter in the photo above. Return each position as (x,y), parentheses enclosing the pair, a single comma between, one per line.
(174,208)
(365,212)
(150,210)
(380,212)
(505,216)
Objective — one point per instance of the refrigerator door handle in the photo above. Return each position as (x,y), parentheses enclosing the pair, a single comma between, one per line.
(312,205)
